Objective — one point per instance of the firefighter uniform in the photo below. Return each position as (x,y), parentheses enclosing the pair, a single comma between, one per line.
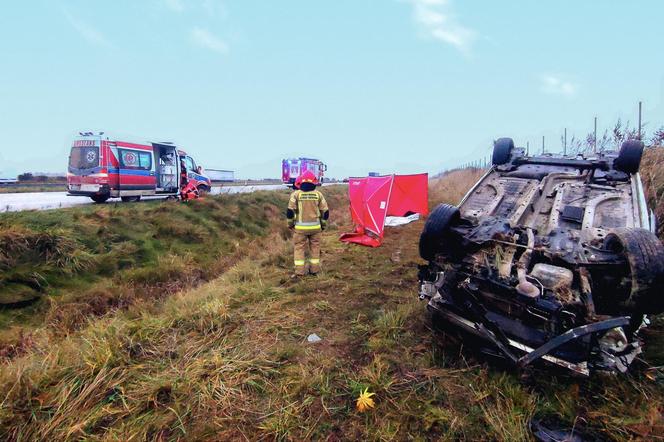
(307,214)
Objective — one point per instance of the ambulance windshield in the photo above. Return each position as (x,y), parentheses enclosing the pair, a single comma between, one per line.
(85,157)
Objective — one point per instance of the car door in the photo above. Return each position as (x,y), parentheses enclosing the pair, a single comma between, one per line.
(191,168)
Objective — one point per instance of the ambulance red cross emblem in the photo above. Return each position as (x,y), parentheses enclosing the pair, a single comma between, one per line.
(129,159)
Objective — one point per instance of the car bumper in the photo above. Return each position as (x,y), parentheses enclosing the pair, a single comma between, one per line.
(468,326)
(88,189)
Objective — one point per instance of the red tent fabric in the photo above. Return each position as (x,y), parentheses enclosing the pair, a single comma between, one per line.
(410,193)
(374,198)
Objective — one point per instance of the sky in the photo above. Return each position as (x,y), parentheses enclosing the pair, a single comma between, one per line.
(391,86)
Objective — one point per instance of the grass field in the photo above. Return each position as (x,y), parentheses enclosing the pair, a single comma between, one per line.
(98,257)
(228,359)
(33,188)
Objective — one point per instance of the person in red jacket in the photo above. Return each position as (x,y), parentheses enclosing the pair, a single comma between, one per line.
(188,190)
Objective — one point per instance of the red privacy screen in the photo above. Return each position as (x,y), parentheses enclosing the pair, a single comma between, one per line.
(374,198)
(410,193)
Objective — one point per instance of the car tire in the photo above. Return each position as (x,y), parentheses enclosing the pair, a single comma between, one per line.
(502,151)
(645,256)
(202,189)
(436,230)
(100,199)
(629,157)
(130,199)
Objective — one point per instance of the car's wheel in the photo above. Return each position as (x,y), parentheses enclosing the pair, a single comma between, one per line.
(629,157)
(436,230)
(502,151)
(645,256)
(99,199)
(203,189)
(129,199)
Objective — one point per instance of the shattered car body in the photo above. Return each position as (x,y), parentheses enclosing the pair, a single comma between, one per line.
(548,259)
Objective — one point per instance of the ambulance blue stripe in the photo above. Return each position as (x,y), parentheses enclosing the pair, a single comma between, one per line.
(200,178)
(138,172)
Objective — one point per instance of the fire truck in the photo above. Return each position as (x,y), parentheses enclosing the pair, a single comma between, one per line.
(101,167)
(292,168)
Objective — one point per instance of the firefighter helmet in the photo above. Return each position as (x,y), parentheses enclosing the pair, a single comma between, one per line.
(307,177)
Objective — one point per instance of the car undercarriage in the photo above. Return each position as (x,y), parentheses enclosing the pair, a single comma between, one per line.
(548,259)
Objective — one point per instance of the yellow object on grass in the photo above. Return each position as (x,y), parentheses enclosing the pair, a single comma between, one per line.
(364,401)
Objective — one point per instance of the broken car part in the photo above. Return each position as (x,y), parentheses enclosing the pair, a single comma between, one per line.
(548,258)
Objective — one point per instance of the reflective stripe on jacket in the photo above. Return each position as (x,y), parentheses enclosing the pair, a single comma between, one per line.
(308,207)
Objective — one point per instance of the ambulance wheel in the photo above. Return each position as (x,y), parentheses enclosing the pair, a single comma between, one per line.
(99,199)
(203,189)
(130,199)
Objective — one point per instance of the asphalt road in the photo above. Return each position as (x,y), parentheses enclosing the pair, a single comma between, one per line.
(16,202)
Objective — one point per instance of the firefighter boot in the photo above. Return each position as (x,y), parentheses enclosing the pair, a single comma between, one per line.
(299,246)
(314,260)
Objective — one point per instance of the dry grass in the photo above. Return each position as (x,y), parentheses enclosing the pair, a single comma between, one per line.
(451,186)
(229,361)
(652,174)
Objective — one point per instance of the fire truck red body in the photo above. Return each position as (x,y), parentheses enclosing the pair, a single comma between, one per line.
(292,168)
(101,167)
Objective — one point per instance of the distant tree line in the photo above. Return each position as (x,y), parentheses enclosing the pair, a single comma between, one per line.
(29,177)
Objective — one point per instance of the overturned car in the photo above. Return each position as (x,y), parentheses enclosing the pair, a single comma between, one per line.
(548,259)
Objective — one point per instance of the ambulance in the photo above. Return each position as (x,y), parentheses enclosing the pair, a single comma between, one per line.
(292,168)
(102,167)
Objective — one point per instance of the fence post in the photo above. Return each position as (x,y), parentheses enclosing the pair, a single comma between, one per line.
(595,139)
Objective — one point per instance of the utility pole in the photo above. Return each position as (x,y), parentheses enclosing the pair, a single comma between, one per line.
(595,138)
(640,107)
(527,148)
(565,145)
(542,143)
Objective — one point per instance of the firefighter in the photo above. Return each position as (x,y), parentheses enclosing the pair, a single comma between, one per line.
(307,215)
